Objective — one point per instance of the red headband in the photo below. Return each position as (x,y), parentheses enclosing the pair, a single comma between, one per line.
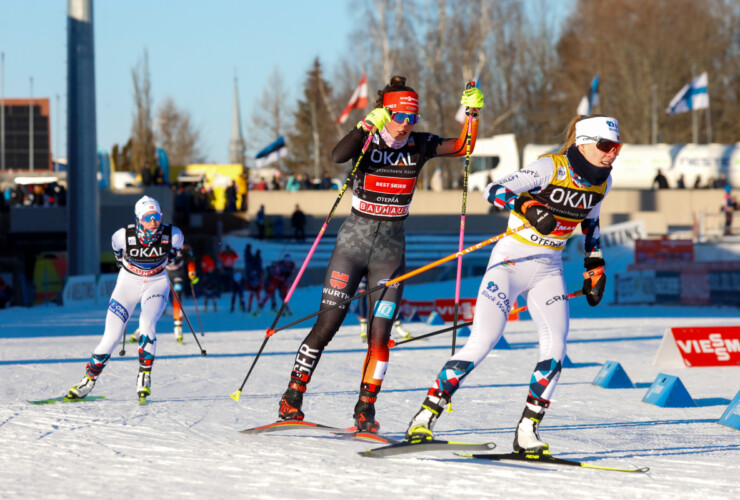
(402,102)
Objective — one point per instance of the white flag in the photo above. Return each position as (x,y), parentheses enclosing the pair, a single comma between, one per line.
(691,96)
(357,101)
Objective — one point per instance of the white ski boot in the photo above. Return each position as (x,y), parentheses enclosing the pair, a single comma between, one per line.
(526,438)
(178,333)
(82,389)
(420,427)
(143,384)
(401,332)
(363,330)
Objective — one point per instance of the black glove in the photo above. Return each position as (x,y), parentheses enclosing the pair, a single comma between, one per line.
(595,280)
(537,214)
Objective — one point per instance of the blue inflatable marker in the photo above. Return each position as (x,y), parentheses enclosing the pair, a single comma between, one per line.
(464,332)
(502,344)
(667,391)
(613,376)
(731,416)
(435,319)
(414,318)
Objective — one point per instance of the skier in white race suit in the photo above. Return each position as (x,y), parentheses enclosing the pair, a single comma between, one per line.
(142,250)
(554,194)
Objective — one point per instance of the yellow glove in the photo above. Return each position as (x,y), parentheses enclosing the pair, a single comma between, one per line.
(472,99)
(376,118)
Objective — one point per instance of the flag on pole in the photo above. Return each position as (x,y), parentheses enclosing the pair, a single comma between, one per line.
(271,153)
(691,96)
(357,101)
(460,115)
(591,100)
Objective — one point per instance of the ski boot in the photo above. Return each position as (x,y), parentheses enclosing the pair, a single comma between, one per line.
(363,330)
(143,384)
(290,403)
(401,332)
(527,439)
(178,333)
(364,414)
(82,389)
(420,427)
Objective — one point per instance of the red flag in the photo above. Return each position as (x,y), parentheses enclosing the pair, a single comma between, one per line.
(357,101)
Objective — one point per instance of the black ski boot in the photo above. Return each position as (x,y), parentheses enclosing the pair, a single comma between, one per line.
(290,403)
(365,409)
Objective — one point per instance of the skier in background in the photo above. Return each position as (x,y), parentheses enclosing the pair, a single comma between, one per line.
(143,250)
(180,269)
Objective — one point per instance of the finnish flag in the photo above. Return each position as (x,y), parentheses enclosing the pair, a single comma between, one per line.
(692,96)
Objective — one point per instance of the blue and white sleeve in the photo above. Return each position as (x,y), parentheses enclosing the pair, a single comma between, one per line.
(504,192)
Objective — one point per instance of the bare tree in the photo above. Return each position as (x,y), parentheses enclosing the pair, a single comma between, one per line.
(271,114)
(177,135)
(143,150)
(647,43)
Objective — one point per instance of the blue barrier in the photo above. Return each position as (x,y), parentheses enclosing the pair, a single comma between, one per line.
(731,416)
(502,344)
(669,392)
(464,332)
(435,319)
(613,376)
(567,363)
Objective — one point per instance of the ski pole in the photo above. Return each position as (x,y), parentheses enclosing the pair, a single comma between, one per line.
(393,343)
(197,313)
(350,176)
(458,278)
(410,274)
(122,352)
(174,295)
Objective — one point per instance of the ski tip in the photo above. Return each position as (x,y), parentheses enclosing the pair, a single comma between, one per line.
(235,395)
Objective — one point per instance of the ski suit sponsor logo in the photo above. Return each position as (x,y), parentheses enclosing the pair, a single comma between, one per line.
(116,308)
(714,344)
(380,209)
(383,282)
(146,252)
(338,280)
(391,158)
(389,185)
(329,292)
(561,173)
(306,358)
(499,298)
(132,240)
(384,309)
(556,298)
(564,227)
(143,272)
(165,238)
(541,240)
(154,296)
(572,198)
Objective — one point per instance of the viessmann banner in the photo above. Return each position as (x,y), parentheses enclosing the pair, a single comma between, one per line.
(699,346)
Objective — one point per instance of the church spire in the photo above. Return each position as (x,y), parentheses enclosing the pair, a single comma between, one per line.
(237,145)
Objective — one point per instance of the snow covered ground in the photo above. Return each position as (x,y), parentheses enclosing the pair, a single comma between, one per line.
(185,442)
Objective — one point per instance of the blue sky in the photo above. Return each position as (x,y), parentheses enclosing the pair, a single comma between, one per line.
(195,48)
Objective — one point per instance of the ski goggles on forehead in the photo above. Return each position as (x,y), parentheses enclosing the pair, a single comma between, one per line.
(403,117)
(604,145)
(153,216)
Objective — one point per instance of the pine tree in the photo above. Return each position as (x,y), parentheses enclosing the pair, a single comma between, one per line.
(314,134)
